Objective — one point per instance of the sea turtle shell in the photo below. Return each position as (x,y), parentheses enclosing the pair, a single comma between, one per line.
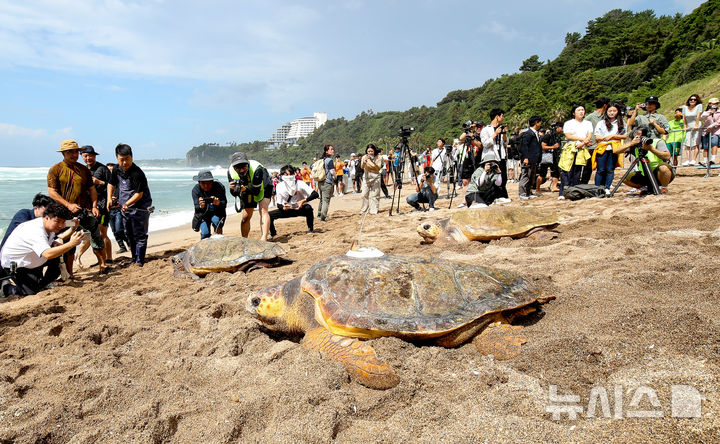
(483,224)
(227,253)
(409,297)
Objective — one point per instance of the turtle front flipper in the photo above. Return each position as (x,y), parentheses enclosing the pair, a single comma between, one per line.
(358,357)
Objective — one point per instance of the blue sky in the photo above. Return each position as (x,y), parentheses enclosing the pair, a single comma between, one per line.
(164,76)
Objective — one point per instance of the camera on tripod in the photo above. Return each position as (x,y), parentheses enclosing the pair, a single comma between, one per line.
(405,132)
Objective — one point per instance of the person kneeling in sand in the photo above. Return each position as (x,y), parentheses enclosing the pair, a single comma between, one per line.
(485,184)
(32,246)
(658,156)
(292,197)
(210,201)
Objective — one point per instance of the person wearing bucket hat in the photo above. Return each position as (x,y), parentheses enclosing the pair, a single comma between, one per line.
(100,178)
(210,200)
(71,184)
(485,184)
(251,183)
(656,122)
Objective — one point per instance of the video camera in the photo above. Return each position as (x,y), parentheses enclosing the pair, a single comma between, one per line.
(405,132)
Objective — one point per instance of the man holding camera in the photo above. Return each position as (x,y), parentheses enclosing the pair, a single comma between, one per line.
(426,191)
(210,201)
(32,246)
(494,138)
(657,155)
(485,183)
(656,123)
(292,197)
(250,181)
(71,185)
(550,144)
(530,153)
(470,155)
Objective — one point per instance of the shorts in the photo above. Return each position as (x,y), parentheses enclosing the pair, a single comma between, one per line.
(640,179)
(467,168)
(544,167)
(339,179)
(674,148)
(104,218)
(709,140)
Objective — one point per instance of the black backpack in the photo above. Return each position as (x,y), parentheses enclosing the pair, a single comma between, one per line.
(583,191)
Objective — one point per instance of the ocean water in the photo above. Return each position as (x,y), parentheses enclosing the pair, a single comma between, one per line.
(170,189)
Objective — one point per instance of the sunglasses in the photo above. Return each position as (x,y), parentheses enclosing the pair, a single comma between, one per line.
(693,100)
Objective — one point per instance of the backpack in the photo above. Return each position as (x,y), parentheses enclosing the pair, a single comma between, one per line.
(318,170)
(583,191)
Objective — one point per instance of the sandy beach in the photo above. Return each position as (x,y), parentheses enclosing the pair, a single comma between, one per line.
(142,356)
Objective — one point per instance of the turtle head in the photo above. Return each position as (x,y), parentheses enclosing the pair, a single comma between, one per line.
(282,307)
(429,231)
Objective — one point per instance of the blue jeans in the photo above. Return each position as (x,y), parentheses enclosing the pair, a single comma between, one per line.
(117,225)
(708,141)
(205,226)
(137,223)
(424,196)
(605,169)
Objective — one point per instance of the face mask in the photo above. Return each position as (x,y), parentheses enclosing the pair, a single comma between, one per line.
(291,183)
(372,156)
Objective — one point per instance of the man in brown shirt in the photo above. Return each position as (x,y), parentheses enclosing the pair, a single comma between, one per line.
(70,184)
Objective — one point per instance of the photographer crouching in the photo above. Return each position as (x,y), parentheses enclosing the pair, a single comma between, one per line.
(210,201)
(485,184)
(657,155)
(426,191)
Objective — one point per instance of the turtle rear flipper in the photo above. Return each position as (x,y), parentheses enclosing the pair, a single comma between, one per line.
(358,357)
(501,340)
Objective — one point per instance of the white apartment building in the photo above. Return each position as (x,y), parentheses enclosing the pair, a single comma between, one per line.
(289,133)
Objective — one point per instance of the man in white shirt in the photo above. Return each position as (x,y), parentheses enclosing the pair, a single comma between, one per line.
(33,246)
(494,138)
(292,197)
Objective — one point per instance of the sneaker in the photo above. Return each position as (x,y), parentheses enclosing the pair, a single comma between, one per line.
(522,197)
(691,163)
(461,205)
(431,209)
(532,196)
(478,205)
(608,191)
(503,200)
(561,197)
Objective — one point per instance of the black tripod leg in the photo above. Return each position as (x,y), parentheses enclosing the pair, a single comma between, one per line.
(622,180)
(650,176)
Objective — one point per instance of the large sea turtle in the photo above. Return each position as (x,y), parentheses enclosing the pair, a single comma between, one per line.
(341,301)
(484,224)
(227,253)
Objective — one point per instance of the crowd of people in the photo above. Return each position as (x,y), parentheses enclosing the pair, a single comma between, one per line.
(83,200)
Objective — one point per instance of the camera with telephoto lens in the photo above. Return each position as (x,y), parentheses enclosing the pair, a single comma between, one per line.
(468,125)
(405,132)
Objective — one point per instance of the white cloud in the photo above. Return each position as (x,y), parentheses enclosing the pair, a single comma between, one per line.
(12,130)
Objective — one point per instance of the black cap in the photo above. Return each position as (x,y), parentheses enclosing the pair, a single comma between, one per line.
(203,176)
(88,149)
(653,99)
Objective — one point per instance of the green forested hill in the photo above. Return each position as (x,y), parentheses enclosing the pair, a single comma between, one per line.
(622,55)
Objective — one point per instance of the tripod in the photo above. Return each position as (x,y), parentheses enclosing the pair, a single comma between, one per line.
(405,154)
(645,165)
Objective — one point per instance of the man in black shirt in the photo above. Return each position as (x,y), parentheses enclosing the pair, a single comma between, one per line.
(100,177)
(134,199)
(550,157)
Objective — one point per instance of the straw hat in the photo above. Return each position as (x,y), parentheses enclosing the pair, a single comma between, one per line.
(68,145)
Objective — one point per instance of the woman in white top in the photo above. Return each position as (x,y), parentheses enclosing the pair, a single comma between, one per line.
(692,124)
(579,131)
(607,130)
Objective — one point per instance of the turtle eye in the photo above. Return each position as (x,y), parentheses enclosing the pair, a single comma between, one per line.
(426,226)
(255,301)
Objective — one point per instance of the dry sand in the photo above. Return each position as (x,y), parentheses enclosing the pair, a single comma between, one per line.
(141,356)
